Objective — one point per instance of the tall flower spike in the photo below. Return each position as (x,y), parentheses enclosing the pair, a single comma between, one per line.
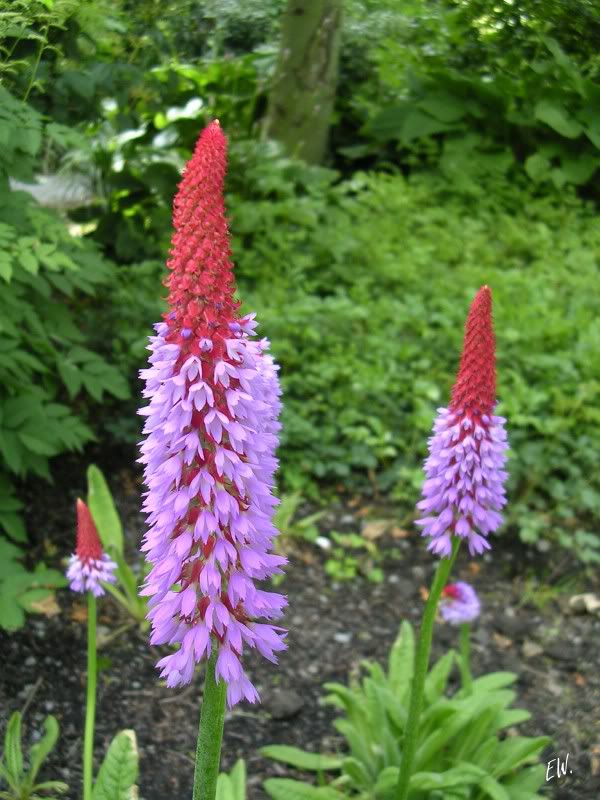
(89,567)
(209,452)
(459,603)
(464,487)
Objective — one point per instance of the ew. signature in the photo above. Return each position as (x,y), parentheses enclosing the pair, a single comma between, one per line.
(562,767)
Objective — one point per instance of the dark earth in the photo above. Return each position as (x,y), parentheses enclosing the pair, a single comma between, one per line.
(527,627)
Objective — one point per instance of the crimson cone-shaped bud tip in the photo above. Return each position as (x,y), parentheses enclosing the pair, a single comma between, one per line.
(88,541)
(463,493)
(89,568)
(475,387)
(201,284)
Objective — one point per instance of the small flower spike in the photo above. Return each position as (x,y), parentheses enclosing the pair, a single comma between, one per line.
(209,452)
(464,488)
(89,567)
(459,603)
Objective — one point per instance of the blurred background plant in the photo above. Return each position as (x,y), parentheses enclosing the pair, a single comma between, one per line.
(463,150)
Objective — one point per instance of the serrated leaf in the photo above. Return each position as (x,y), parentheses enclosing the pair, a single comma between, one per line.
(119,770)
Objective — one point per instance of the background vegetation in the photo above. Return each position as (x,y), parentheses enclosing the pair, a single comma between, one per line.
(464,149)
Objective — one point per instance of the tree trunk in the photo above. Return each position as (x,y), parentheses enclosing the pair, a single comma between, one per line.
(303,92)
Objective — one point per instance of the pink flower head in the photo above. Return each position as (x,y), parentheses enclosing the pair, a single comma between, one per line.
(459,603)
(89,566)
(209,452)
(464,488)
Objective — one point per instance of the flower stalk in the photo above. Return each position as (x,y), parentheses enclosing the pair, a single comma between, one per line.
(465,657)
(420,671)
(210,733)
(90,706)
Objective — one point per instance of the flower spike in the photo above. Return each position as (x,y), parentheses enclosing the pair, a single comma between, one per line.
(89,566)
(464,488)
(209,452)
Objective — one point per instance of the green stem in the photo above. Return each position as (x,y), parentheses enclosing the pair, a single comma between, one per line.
(465,657)
(36,65)
(421,666)
(210,732)
(90,709)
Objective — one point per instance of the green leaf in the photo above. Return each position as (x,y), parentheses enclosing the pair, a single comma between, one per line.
(301,759)
(516,750)
(443,106)
(418,125)
(119,770)
(12,616)
(13,755)
(493,789)
(579,169)
(6,269)
(232,786)
(554,115)
(29,262)
(401,660)
(104,511)
(287,789)
(538,167)
(237,777)
(39,752)
(436,680)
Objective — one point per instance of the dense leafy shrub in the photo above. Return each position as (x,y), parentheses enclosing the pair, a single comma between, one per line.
(362,288)
(49,367)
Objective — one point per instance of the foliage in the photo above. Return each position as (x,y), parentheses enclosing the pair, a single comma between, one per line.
(463,749)
(110,531)
(22,591)
(21,782)
(493,126)
(232,786)
(290,525)
(118,772)
(49,367)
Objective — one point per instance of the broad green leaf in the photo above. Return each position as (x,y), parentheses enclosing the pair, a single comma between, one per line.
(443,106)
(579,169)
(538,167)
(12,616)
(301,759)
(554,115)
(119,770)
(104,511)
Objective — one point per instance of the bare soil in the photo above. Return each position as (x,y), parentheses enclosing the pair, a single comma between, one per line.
(332,628)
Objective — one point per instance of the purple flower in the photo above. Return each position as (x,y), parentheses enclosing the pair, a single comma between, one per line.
(464,488)
(89,567)
(459,603)
(209,453)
